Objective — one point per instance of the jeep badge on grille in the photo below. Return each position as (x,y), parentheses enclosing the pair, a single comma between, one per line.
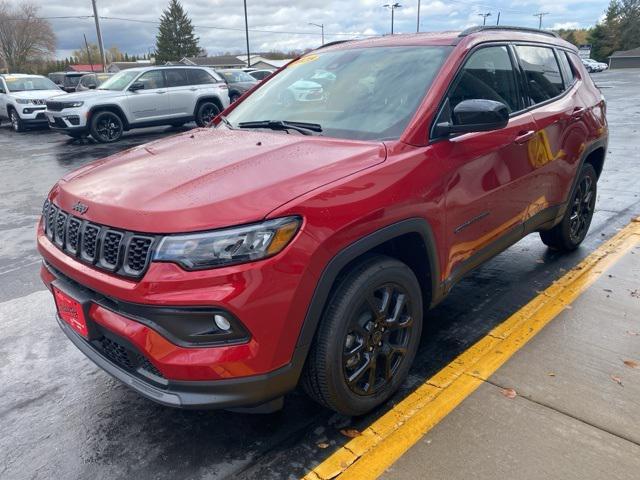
(81,208)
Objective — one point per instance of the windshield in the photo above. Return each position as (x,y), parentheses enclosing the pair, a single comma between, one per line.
(24,84)
(119,81)
(237,76)
(366,93)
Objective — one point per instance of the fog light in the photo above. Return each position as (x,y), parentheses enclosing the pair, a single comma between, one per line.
(221,322)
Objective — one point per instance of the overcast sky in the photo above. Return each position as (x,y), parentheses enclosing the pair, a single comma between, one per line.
(342,19)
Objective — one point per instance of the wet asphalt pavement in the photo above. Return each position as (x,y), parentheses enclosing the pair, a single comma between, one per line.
(62,417)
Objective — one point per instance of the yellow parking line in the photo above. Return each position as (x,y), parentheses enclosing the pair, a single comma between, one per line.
(390,436)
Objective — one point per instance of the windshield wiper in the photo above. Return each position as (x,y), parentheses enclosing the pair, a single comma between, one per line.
(302,127)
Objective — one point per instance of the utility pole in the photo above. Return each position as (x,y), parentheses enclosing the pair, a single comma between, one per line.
(498,21)
(99,35)
(540,15)
(392,7)
(321,26)
(418,27)
(246,31)
(484,17)
(88,52)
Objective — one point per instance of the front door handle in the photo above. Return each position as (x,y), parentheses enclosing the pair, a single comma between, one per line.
(161,91)
(524,136)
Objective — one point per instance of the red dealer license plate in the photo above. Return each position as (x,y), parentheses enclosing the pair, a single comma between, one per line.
(71,312)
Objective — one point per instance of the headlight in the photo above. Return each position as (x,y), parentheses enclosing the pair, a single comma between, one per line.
(74,104)
(23,101)
(229,246)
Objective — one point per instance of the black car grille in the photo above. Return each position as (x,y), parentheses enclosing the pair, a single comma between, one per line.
(121,252)
(55,106)
(125,357)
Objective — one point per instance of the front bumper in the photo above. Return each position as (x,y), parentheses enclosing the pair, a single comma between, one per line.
(69,119)
(32,115)
(114,346)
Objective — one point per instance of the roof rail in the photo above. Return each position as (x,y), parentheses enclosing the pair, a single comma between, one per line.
(482,28)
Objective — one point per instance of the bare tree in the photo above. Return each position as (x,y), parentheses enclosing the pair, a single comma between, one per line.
(24,38)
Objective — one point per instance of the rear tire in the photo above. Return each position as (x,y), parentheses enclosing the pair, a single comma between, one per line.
(571,231)
(367,337)
(16,122)
(206,112)
(106,127)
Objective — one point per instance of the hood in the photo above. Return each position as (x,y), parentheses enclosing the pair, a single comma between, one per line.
(209,178)
(244,86)
(37,94)
(95,93)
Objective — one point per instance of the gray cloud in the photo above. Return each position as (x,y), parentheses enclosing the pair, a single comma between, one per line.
(351,18)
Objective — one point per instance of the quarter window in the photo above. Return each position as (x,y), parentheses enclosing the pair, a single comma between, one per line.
(152,79)
(487,75)
(199,77)
(542,72)
(567,69)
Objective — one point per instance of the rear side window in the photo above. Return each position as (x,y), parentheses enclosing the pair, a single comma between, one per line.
(542,72)
(487,75)
(199,77)
(176,77)
(567,69)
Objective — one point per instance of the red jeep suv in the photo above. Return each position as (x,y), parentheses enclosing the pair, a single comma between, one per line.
(302,239)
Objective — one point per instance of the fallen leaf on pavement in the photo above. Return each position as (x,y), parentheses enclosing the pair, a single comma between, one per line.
(633,334)
(617,379)
(350,432)
(323,445)
(551,374)
(509,393)
(631,364)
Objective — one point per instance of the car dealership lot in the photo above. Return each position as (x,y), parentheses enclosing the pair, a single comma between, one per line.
(63,416)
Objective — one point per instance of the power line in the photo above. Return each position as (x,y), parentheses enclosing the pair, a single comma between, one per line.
(540,15)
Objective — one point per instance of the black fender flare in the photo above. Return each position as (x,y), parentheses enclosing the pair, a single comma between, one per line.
(355,250)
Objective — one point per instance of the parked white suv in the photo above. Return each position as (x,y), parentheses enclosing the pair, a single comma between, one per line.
(140,97)
(23,97)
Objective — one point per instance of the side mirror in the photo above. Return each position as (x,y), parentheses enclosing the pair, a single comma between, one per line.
(1,90)
(136,86)
(475,116)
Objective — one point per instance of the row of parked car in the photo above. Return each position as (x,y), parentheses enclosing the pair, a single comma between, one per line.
(106,105)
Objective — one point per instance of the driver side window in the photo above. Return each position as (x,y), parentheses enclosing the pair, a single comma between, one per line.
(488,75)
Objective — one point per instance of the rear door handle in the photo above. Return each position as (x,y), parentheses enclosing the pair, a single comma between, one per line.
(524,136)
(161,91)
(193,89)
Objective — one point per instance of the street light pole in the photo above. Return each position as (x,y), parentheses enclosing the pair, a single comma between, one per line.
(418,26)
(99,34)
(484,17)
(392,7)
(321,26)
(246,31)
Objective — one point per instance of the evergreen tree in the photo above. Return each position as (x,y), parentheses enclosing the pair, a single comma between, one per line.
(175,38)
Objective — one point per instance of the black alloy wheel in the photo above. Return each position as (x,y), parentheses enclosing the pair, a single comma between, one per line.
(106,127)
(377,339)
(207,111)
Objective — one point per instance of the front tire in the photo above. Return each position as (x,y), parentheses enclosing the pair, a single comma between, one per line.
(16,122)
(367,338)
(571,231)
(106,127)
(206,112)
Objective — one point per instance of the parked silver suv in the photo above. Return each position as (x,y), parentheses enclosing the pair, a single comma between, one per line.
(23,97)
(140,97)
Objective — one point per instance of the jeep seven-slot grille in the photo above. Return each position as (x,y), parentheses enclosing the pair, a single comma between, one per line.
(121,252)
